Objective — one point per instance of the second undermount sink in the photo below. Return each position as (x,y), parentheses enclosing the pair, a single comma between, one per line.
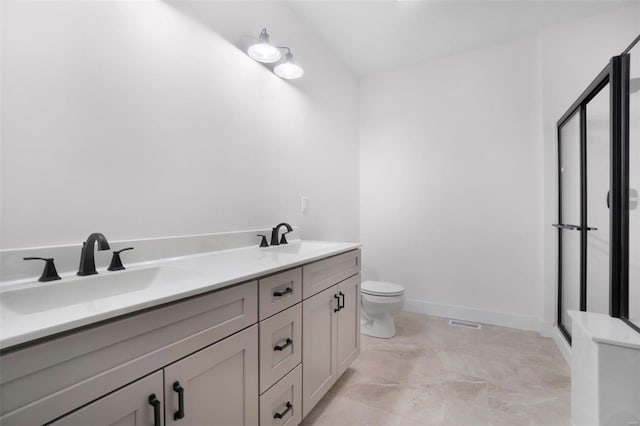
(72,291)
(301,247)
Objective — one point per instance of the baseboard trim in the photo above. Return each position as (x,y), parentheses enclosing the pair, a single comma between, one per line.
(503,319)
(561,342)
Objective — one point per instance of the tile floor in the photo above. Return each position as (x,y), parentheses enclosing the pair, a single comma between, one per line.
(435,374)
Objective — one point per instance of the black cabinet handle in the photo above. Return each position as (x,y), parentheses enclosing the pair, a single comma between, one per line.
(288,342)
(342,296)
(180,413)
(286,291)
(157,421)
(338,308)
(284,413)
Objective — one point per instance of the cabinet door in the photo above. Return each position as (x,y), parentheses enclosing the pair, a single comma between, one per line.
(129,406)
(348,322)
(219,384)
(319,351)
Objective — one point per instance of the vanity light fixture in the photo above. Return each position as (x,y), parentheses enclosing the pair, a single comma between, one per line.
(288,69)
(263,51)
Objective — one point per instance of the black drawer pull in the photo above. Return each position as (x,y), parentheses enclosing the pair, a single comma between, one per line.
(284,413)
(286,291)
(157,421)
(180,413)
(281,347)
(338,308)
(342,296)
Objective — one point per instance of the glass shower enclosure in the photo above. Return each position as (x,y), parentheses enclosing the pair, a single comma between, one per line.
(630,294)
(598,176)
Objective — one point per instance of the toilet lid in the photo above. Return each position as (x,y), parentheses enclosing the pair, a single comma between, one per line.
(381,288)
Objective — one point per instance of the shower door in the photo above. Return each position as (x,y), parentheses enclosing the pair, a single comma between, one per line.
(569,277)
(585,159)
(598,202)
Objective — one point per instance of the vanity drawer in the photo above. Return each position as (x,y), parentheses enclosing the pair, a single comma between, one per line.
(280,345)
(282,404)
(323,274)
(279,291)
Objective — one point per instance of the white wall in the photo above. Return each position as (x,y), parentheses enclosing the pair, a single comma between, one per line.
(572,56)
(138,120)
(458,170)
(451,183)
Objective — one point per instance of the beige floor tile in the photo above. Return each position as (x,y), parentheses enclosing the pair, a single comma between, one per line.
(334,410)
(435,374)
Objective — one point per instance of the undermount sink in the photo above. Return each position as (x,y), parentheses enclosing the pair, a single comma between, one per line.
(300,247)
(77,290)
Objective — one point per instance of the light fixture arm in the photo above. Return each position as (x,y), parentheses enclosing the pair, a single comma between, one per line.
(263,35)
(289,56)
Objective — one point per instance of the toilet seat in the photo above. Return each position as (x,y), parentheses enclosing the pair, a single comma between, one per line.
(381,289)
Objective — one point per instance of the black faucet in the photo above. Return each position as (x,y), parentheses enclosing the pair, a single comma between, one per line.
(87,261)
(276,230)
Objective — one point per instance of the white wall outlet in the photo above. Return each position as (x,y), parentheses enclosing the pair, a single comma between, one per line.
(304,205)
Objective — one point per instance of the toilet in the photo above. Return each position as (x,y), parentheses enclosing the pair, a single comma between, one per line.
(380,302)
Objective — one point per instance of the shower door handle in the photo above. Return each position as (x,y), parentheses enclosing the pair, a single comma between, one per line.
(566,226)
(570,227)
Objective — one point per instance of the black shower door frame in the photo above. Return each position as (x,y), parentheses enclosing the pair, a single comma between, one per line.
(623,312)
(614,75)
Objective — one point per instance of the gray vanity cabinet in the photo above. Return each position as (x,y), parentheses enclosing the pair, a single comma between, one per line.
(133,405)
(331,338)
(52,379)
(331,323)
(218,384)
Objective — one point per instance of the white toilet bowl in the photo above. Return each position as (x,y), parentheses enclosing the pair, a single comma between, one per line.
(380,302)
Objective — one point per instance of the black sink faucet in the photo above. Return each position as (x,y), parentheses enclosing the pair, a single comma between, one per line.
(87,260)
(276,230)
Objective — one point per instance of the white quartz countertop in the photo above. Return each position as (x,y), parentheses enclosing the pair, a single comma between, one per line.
(34,310)
(603,328)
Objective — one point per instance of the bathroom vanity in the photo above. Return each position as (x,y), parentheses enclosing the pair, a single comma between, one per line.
(248,336)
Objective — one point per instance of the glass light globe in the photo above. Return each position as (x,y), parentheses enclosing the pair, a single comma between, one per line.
(288,69)
(264,52)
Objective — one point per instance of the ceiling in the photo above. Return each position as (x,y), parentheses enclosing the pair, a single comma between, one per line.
(374,36)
